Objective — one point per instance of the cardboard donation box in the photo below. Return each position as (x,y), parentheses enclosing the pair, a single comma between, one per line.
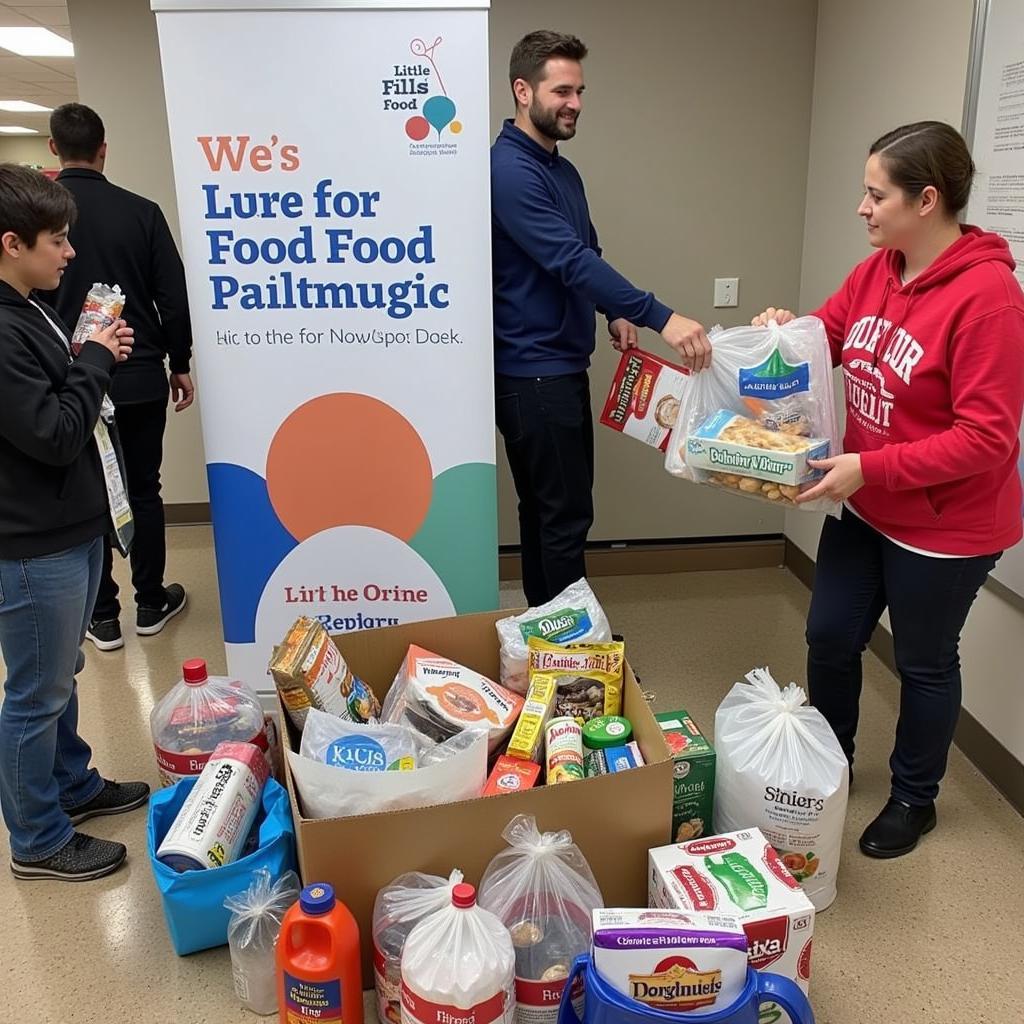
(614,819)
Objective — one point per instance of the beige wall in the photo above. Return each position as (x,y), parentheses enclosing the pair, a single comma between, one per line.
(693,147)
(26,149)
(125,87)
(866,82)
(682,115)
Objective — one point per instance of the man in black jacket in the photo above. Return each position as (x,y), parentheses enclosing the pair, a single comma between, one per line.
(58,484)
(121,238)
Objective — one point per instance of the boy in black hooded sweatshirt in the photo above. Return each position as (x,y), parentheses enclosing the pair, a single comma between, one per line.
(54,513)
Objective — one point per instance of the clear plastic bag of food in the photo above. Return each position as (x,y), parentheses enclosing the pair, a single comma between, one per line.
(765,407)
(574,616)
(399,907)
(103,305)
(374,747)
(542,889)
(256,916)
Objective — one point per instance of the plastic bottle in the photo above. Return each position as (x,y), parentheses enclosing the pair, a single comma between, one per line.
(319,967)
(459,964)
(197,714)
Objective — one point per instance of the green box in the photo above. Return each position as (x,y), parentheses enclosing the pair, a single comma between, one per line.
(693,775)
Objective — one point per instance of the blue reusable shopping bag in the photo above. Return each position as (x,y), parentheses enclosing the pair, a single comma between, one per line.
(194,900)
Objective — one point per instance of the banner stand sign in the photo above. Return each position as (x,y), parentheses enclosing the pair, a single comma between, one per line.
(332,176)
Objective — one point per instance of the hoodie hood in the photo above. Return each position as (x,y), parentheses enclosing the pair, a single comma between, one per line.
(973,247)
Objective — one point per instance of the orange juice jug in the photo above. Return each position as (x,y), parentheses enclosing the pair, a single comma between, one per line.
(319,970)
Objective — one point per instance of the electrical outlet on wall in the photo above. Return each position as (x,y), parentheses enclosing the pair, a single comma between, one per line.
(727,291)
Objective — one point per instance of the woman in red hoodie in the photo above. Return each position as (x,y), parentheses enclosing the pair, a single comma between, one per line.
(929,332)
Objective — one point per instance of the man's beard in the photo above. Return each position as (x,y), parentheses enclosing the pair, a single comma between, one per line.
(548,124)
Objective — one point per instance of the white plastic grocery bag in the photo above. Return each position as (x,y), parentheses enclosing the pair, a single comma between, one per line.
(399,907)
(255,922)
(750,422)
(544,892)
(780,769)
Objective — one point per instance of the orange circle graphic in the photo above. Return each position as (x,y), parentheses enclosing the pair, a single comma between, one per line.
(348,460)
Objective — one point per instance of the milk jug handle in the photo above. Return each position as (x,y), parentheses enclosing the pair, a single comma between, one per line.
(566,1011)
(775,988)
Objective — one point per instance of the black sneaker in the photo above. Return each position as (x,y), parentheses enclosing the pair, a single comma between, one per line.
(84,858)
(105,634)
(897,829)
(149,621)
(113,798)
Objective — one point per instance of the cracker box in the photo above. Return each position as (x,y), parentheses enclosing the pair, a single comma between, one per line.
(729,443)
(740,874)
(693,775)
(644,397)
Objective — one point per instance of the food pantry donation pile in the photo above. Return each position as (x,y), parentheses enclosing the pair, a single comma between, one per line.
(752,853)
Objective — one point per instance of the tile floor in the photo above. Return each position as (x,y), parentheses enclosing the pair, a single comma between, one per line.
(934,938)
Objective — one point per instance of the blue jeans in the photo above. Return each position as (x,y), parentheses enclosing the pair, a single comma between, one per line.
(859,573)
(45,606)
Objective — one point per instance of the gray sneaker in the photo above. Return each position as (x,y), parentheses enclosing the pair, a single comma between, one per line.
(81,860)
(113,798)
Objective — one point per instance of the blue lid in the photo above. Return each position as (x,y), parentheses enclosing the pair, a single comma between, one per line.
(317,898)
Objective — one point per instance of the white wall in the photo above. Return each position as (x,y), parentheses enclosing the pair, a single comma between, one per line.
(879,64)
(26,149)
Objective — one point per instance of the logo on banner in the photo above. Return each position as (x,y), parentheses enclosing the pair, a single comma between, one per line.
(418,90)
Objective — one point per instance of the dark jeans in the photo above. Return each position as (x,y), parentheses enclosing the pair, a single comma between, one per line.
(141,429)
(549,438)
(859,573)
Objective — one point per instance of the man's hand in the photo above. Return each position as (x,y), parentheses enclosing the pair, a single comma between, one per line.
(687,337)
(182,391)
(780,316)
(843,477)
(117,338)
(624,335)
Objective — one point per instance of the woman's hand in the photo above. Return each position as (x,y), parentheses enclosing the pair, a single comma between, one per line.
(843,477)
(780,316)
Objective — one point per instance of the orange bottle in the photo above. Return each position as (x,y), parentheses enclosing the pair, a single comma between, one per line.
(319,969)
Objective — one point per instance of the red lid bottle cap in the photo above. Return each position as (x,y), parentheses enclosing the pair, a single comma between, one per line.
(463,895)
(194,672)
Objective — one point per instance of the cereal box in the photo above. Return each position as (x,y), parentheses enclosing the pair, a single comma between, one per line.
(740,874)
(693,775)
(644,397)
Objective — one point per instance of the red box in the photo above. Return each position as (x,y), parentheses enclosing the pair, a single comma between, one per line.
(644,397)
(511,775)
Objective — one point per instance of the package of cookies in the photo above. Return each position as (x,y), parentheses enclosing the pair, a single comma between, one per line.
(644,397)
(587,677)
(754,421)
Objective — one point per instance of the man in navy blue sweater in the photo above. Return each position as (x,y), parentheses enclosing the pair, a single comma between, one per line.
(549,279)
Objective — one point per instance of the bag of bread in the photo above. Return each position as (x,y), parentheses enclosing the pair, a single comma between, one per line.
(574,616)
(759,414)
(542,889)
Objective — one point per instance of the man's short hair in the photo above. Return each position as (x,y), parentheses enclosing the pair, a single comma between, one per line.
(30,203)
(77,132)
(534,50)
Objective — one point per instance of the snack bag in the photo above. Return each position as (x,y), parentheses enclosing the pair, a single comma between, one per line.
(588,677)
(399,907)
(753,419)
(440,698)
(374,747)
(103,305)
(542,889)
(574,616)
(780,769)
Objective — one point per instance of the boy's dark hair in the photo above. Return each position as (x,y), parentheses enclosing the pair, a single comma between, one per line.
(928,153)
(77,132)
(533,51)
(30,202)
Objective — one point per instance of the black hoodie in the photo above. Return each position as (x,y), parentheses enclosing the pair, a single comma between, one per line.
(52,492)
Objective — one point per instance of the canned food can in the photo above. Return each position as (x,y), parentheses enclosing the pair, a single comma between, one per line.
(214,822)
(563,747)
